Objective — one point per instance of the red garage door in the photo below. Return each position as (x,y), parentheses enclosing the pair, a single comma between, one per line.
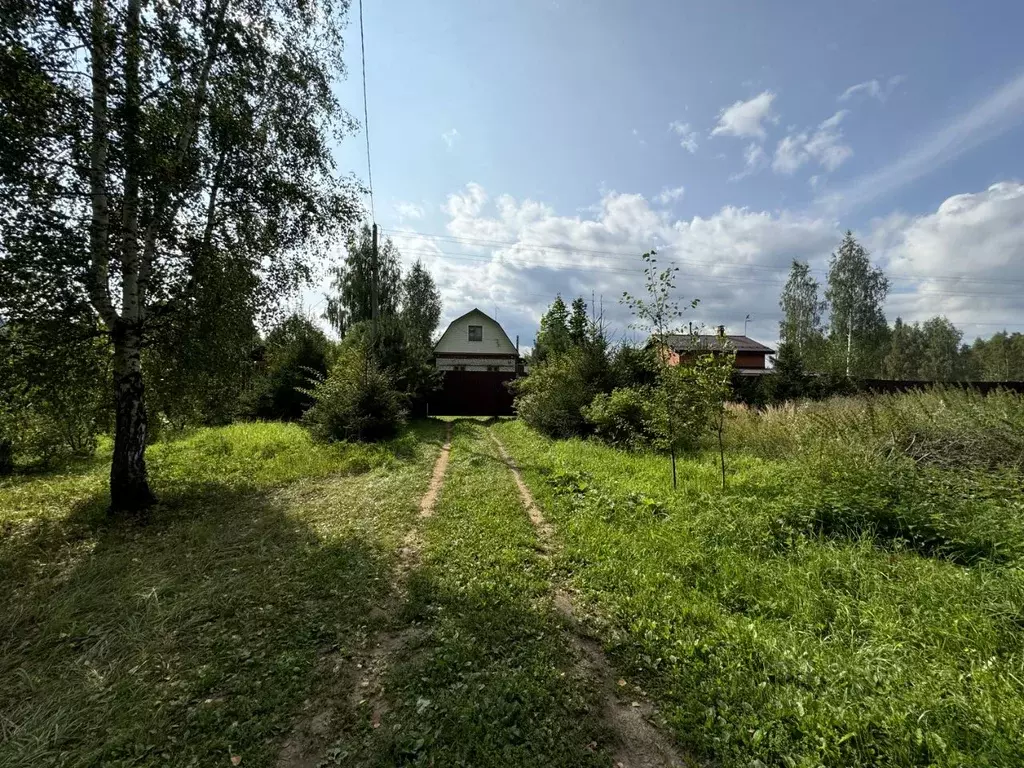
(472,393)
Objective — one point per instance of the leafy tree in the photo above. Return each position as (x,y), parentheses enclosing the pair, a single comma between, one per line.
(802,311)
(352,283)
(905,357)
(856,291)
(138,141)
(999,358)
(553,336)
(579,323)
(659,315)
(401,353)
(421,304)
(941,358)
(294,355)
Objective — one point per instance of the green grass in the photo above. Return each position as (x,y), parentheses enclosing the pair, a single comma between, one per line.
(200,634)
(488,677)
(814,613)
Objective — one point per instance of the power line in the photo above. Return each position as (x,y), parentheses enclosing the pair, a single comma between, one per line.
(366,114)
(698,262)
(753,281)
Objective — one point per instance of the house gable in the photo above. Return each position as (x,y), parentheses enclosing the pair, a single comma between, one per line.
(456,338)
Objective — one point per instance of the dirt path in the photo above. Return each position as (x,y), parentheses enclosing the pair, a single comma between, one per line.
(639,744)
(363,688)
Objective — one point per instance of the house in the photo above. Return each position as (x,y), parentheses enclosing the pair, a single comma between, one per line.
(476,342)
(750,354)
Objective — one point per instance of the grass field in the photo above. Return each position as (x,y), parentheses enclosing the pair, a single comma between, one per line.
(855,596)
(197,637)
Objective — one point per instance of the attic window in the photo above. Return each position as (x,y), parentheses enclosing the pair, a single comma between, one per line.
(476,333)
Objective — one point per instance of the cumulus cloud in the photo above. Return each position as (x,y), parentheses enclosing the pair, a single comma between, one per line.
(687,135)
(670,195)
(745,119)
(963,260)
(516,254)
(874,88)
(450,137)
(824,145)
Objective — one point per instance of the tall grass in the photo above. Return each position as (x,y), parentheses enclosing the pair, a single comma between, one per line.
(854,598)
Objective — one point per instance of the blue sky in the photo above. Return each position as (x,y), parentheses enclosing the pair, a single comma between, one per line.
(550,143)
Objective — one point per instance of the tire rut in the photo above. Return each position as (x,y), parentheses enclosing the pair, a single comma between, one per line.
(638,742)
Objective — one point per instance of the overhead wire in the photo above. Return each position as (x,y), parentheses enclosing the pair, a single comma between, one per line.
(366,113)
(905,276)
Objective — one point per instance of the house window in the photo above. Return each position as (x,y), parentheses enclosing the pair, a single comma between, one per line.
(476,333)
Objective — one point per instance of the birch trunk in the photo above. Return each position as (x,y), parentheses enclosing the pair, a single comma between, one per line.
(129,487)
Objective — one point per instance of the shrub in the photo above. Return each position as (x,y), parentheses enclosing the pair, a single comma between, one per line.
(629,417)
(552,398)
(356,401)
(295,355)
(633,366)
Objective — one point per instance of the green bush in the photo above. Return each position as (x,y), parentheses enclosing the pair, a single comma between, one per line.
(295,355)
(629,417)
(356,401)
(552,398)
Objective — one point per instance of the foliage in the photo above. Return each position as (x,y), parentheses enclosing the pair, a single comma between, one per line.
(629,417)
(200,356)
(552,398)
(352,283)
(401,352)
(927,352)
(579,324)
(634,366)
(855,293)
(139,145)
(53,391)
(421,304)
(357,400)
(802,311)
(999,358)
(296,352)
(553,336)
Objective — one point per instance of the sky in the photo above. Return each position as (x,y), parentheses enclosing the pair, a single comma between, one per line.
(539,147)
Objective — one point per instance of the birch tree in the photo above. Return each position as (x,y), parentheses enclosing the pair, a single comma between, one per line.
(143,141)
(855,294)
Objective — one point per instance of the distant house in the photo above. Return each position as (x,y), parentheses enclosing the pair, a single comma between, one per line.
(750,354)
(476,342)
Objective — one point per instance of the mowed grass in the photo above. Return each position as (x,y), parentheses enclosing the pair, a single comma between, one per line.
(817,612)
(486,675)
(195,637)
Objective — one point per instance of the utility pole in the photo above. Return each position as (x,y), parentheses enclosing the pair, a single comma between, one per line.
(374,288)
(745,321)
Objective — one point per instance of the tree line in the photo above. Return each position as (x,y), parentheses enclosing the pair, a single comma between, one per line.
(846,334)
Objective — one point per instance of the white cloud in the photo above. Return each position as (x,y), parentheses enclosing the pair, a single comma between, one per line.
(824,145)
(963,260)
(687,136)
(516,254)
(873,88)
(744,118)
(992,117)
(754,159)
(408,210)
(670,194)
(450,137)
